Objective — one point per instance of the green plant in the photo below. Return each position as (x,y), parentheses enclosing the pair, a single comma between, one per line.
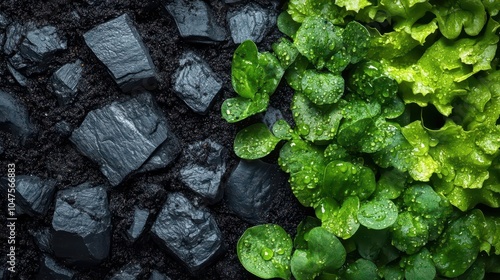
(400,197)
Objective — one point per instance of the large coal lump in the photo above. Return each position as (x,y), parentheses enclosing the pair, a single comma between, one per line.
(14,116)
(118,45)
(195,83)
(122,136)
(196,21)
(251,22)
(33,195)
(81,225)
(128,272)
(251,188)
(191,234)
(13,36)
(205,166)
(50,270)
(65,81)
(156,275)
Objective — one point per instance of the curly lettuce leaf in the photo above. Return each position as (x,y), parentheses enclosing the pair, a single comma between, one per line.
(453,15)
(299,10)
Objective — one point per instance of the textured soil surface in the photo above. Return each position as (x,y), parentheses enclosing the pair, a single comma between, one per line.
(50,155)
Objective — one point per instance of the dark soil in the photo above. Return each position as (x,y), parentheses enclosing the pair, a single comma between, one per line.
(50,155)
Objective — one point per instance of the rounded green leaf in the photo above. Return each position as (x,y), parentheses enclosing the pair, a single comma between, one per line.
(361,269)
(285,51)
(302,229)
(344,179)
(340,221)
(254,142)
(357,41)
(265,251)
(239,108)
(419,266)
(409,233)
(378,214)
(282,130)
(322,87)
(245,70)
(287,25)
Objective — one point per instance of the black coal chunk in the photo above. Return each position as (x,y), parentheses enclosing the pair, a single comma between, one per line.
(196,21)
(50,270)
(20,78)
(63,128)
(34,195)
(118,45)
(139,222)
(156,275)
(206,164)
(251,22)
(14,117)
(231,1)
(122,136)
(39,47)
(42,238)
(195,83)
(166,153)
(251,188)
(65,81)
(128,272)
(4,20)
(81,225)
(14,33)
(188,232)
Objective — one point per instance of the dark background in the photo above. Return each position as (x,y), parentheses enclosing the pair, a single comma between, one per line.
(50,155)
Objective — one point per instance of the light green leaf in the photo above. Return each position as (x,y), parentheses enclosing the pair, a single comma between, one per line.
(378,214)
(245,71)
(254,142)
(410,233)
(238,108)
(353,5)
(340,221)
(344,179)
(452,15)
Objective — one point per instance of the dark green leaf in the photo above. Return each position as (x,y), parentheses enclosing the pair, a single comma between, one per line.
(239,108)
(245,71)
(378,214)
(322,87)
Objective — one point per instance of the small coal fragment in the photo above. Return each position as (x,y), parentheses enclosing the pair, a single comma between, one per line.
(166,153)
(34,195)
(81,225)
(138,224)
(206,164)
(251,22)
(15,32)
(251,188)
(122,136)
(39,47)
(195,83)
(188,232)
(271,116)
(156,275)
(42,239)
(20,78)
(231,1)
(128,272)
(4,20)
(14,117)
(196,21)
(63,128)
(65,81)
(118,45)
(50,270)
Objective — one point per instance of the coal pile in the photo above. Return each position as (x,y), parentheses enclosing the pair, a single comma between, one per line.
(124,168)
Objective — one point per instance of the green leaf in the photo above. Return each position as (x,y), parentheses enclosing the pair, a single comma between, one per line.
(318,39)
(245,70)
(458,247)
(344,179)
(301,9)
(336,152)
(282,130)
(351,5)
(391,184)
(410,233)
(378,214)
(271,73)
(419,266)
(285,51)
(287,25)
(359,270)
(324,253)
(340,221)
(322,87)
(254,141)
(371,83)
(303,229)
(265,251)
(452,15)
(356,40)
(375,245)
(312,122)
(392,272)
(239,108)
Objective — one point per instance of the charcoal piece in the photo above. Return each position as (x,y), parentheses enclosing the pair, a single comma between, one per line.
(18,61)
(251,188)
(196,21)
(4,20)
(40,44)
(63,128)
(122,136)
(165,154)
(50,270)
(20,78)
(188,232)
(271,116)
(231,1)
(34,195)
(14,33)
(81,225)
(195,83)
(118,45)
(14,117)
(128,272)
(156,275)
(42,239)
(65,81)
(2,38)
(251,22)
(206,164)
(138,224)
